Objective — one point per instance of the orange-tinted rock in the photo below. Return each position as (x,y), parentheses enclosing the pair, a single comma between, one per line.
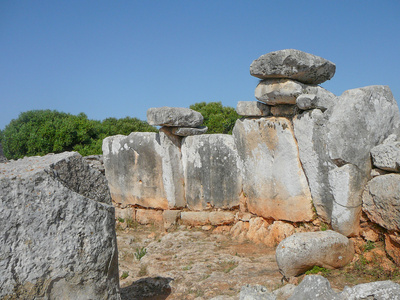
(221,217)
(195,218)
(149,216)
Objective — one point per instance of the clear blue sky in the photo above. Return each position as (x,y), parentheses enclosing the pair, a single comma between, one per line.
(119,58)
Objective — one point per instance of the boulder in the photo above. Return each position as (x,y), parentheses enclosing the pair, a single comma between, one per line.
(174,116)
(321,99)
(145,169)
(379,290)
(187,131)
(273,179)
(212,171)
(347,185)
(314,287)
(302,251)
(255,292)
(293,64)
(57,230)
(381,201)
(252,109)
(387,156)
(278,91)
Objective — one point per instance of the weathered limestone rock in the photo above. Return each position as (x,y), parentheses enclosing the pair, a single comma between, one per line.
(309,130)
(293,64)
(149,216)
(287,111)
(378,172)
(387,156)
(273,180)
(381,201)
(125,213)
(347,185)
(301,251)
(221,218)
(314,287)
(145,169)
(256,292)
(57,236)
(212,171)
(278,91)
(171,218)
(187,131)
(96,162)
(195,218)
(380,290)
(174,116)
(252,109)
(321,99)
(361,119)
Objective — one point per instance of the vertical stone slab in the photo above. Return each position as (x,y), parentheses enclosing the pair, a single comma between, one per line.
(273,179)
(144,169)
(212,171)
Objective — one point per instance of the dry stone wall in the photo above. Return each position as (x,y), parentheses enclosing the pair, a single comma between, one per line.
(299,153)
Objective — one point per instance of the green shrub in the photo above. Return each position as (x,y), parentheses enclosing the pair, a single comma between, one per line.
(139,253)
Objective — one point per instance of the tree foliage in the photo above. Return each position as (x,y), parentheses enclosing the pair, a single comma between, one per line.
(218,118)
(38,132)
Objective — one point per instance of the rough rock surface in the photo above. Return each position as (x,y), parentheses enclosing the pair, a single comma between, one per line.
(273,179)
(278,91)
(145,169)
(287,111)
(347,185)
(301,251)
(381,201)
(57,236)
(187,131)
(293,64)
(387,156)
(252,109)
(174,116)
(212,171)
(314,287)
(256,292)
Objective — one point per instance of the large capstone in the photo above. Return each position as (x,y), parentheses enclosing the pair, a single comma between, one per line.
(212,171)
(57,236)
(293,64)
(174,116)
(145,169)
(273,179)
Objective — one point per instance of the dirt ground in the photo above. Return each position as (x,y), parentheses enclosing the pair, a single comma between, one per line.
(201,264)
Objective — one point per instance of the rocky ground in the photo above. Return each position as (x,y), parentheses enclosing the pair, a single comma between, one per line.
(202,263)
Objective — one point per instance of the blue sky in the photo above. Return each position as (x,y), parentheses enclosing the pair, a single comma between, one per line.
(119,58)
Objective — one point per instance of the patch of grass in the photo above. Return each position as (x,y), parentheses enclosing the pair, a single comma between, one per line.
(318,270)
(187,268)
(228,266)
(369,246)
(121,220)
(140,252)
(124,275)
(143,271)
(324,227)
(131,223)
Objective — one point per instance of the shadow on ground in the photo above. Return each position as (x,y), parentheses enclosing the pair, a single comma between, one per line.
(150,288)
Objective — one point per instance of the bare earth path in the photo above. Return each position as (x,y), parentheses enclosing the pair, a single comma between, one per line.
(190,264)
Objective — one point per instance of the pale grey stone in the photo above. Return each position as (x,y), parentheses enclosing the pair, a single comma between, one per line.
(278,91)
(347,184)
(284,292)
(378,172)
(145,169)
(387,156)
(273,179)
(379,290)
(301,251)
(314,287)
(187,131)
(293,64)
(57,236)
(252,109)
(212,171)
(255,292)
(381,201)
(174,116)
(287,111)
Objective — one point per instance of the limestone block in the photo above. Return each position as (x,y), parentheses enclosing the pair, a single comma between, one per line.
(149,216)
(310,133)
(171,217)
(347,184)
(252,109)
(314,287)
(212,171)
(278,91)
(57,234)
(256,292)
(273,179)
(125,213)
(381,201)
(187,131)
(145,169)
(195,218)
(221,218)
(361,119)
(174,116)
(293,64)
(378,172)
(387,156)
(287,111)
(373,290)
(301,251)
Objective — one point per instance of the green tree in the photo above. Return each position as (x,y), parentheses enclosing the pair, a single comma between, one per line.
(218,118)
